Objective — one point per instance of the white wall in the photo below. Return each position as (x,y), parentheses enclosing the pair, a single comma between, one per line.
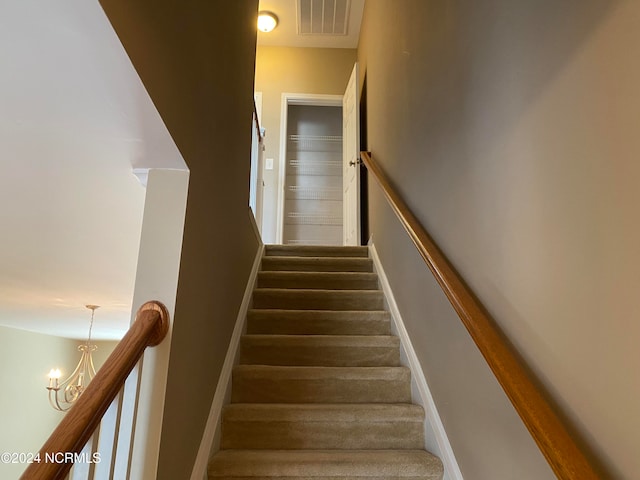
(157,279)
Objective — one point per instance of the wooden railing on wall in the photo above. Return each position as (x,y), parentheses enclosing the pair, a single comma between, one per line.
(256,121)
(74,431)
(564,454)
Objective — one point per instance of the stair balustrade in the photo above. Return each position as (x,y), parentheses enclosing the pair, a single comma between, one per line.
(74,433)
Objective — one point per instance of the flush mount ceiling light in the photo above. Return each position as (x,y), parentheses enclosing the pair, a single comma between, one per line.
(267,21)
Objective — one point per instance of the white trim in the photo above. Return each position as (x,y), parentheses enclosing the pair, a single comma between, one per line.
(223,388)
(142,174)
(420,386)
(311,99)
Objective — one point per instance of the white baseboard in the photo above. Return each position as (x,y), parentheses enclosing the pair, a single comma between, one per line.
(223,388)
(442,447)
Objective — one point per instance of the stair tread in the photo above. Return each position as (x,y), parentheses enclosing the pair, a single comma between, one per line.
(314,250)
(347,315)
(317,314)
(318,322)
(318,259)
(334,412)
(318,291)
(322,340)
(297,273)
(318,299)
(323,426)
(326,463)
(320,350)
(303,372)
(317,280)
(316,264)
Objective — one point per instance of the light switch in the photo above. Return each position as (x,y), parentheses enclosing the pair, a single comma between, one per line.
(268,164)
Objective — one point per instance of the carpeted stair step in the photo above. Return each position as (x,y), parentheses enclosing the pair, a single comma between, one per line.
(288,298)
(320,350)
(280,384)
(319,392)
(326,464)
(318,322)
(317,264)
(320,280)
(328,426)
(315,251)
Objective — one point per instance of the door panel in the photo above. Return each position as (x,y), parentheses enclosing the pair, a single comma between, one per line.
(351,161)
(313,180)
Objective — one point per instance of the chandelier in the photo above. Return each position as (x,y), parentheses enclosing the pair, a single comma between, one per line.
(63,394)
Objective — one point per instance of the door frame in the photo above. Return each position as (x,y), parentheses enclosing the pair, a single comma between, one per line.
(309,99)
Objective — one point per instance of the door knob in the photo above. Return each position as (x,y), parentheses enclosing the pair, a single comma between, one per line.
(355,162)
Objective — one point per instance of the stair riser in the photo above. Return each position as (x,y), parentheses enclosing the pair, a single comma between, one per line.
(326,464)
(320,300)
(249,389)
(315,251)
(318,327)
(322,435)
(325,356)
(214,475)
(317,281)
(308,322)
(313,264)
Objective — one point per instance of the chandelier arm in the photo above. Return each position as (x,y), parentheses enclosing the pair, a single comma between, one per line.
(91,370)
(75,384)
(54,401)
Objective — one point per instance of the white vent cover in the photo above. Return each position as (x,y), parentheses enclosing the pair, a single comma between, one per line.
(323,17)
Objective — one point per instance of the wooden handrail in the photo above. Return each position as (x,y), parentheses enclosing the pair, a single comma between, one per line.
(256,121)
(565,456)
(74,431)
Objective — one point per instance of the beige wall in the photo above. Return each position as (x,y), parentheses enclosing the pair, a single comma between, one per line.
(26,418)
(292,70)
(511,130)
(196,60)
(105,347)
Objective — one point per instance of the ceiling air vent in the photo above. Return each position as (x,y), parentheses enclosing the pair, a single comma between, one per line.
(323,17)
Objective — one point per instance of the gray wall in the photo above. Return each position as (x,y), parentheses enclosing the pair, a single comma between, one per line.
(510,127)
(196,60)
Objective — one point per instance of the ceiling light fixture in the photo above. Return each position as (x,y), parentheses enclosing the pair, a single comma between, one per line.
(62,395)
(267,21)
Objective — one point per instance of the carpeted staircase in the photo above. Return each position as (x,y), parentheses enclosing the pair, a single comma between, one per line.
(319,392)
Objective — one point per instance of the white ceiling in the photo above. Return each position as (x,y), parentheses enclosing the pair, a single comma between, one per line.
(286,34)
(74,120)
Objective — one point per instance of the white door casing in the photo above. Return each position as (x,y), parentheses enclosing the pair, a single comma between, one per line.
(311,99)
(351,161)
